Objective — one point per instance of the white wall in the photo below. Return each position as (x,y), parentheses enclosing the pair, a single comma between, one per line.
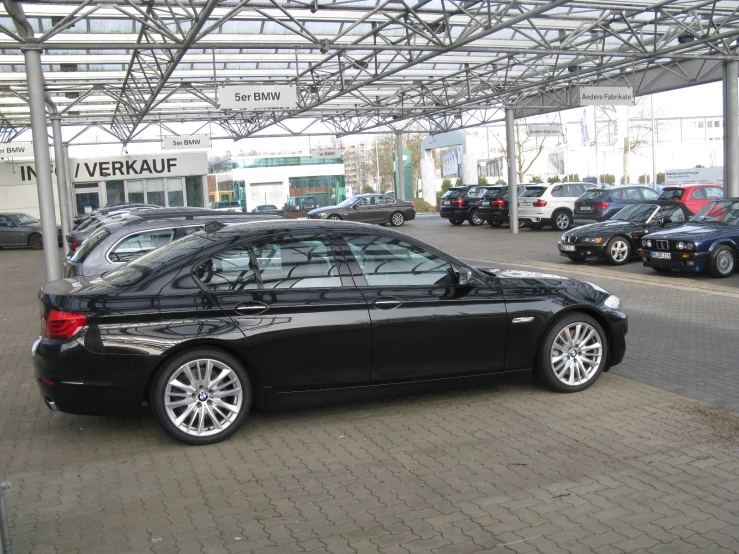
(18,190)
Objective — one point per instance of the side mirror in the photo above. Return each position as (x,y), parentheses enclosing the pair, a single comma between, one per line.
(666,220)
(465,277)
(355,206)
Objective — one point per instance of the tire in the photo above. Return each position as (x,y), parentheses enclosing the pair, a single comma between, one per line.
(198,410)
(536,226)
(561,364)
(561,220)
(334,217)
(617,251)
(456,221)
(474,219)
(723,262)
(36,242)
(397,219)
(495,222)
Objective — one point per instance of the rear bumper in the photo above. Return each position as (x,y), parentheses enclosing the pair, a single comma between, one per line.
(448,212)
(585,220)
(495,214)
(533,215)
(680,261)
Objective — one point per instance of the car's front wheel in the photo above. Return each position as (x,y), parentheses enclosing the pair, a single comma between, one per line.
(334,217)
(722,262)
(474,219)
(397,219)
(36,242)
(617,251)
(573,353)
(201,396)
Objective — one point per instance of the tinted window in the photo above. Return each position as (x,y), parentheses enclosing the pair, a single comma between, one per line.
(559,191)
(619,195)
(297,261)
(494,193)
(714,193)
(89,244)
(698,194)
(649,194)
(231,270)
(453,193)
(366,201)
(23,219)
(390,261)
(386,200)
(533,192)
(5,221)
(671,194)
(594,195)
(135,246)
(476,192)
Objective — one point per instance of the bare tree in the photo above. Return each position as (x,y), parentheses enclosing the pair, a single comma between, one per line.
(528,149)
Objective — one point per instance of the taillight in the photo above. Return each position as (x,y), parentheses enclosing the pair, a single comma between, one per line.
(75,246)
(413,205)
(600,205)
(497,203)
(539,203)
(62,325)
(577,206)
(458,202)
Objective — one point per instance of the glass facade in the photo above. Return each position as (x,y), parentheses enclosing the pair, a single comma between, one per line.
(328,190)
(281,161)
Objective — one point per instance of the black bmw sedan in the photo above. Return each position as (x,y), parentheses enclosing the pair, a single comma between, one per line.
(268,313)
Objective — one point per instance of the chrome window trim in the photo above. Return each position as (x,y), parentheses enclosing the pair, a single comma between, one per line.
(110,250)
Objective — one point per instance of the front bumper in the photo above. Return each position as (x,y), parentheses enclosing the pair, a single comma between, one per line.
(582,250)
(619,327)
(679,261)
(74,380)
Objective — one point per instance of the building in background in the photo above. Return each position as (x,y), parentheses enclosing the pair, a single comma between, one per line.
(257,180)
(357,168)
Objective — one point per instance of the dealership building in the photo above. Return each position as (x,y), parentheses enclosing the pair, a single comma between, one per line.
(165,179)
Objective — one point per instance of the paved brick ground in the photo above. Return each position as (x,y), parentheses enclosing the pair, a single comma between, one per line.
(622,467)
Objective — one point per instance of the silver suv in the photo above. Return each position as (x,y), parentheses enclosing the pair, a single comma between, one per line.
(550,204)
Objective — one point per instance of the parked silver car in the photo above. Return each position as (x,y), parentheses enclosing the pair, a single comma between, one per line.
(369,208)
(119,242)
(17,229)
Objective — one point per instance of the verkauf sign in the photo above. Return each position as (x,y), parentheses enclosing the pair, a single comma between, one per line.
(138,167)
(326,153)
(16,150)
(257,98)
(186,142)
(606,96)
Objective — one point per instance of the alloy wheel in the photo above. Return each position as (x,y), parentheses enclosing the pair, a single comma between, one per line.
(475,218)
(576,353)
(619,251)
(563,221)
(397,219)
(203,397)
(334,217)
(725,262)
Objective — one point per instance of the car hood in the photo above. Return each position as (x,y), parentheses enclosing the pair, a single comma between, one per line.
(603,227)
(582,290)
(325,209)
(697,231)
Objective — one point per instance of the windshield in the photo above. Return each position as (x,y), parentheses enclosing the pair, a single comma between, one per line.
(23,219)
(533,192)
(638,213)
(721,211)
(671,194)
(348,202)
(89,244)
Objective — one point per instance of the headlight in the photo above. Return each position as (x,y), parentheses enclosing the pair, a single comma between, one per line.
(322,214)
(613,302)
(681,245)
(594,240)
(690,246)
(646,243)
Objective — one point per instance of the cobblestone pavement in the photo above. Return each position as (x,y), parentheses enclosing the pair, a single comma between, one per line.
(623,467)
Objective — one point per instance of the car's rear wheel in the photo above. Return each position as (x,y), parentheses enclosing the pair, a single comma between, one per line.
(456,221)
(723,262)
(573,353)
(334,217)
(561,220)
(474,218)
(617,251)
(201,396)
(495,222)
(36,242)
(397,219)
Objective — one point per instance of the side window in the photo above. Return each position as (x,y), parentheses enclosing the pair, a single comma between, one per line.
(633,194)
(558,192)
(386,200)
(366,201)
(135,246)
(699,194)
(228,271)
(649,194)
(5,221)
(184,231)
(390,261)
(297,261)
(714,193)
(619,195)
(675,214)
(575,191)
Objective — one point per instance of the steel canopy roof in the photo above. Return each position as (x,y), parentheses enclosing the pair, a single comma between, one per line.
(360,66)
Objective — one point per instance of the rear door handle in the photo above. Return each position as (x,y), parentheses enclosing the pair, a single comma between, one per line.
(386,302)
(251,308)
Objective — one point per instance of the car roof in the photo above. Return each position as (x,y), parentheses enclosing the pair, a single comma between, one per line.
(277,224)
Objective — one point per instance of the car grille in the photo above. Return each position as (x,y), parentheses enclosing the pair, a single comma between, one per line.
(663,244)
(570,239)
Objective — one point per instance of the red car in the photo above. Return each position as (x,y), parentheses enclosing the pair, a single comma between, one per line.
(693,196)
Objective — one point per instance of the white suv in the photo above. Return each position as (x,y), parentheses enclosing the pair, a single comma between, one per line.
(550,204)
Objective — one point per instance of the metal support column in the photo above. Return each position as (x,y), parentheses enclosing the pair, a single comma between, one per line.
(510,140)
(70,185)
(731,129)
(61,178)
(37,105)
(401,165)
(6,547)
(595,134)
(654,145)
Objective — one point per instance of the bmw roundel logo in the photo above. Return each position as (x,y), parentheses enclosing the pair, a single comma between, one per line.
(202,396)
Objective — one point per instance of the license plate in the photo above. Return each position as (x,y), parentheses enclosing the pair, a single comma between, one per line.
(584,208)
(525,204)
(568,247)
(661,255)
(446,202)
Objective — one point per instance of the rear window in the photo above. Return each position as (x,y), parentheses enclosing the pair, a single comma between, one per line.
(672,194)
(494,193)
(476,192)
(534,192)
(594,195)
(89,245)
(453,193)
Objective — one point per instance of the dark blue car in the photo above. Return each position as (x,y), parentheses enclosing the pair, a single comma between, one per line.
(708,242)
(599,204)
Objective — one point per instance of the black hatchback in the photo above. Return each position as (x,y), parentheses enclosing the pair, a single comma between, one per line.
(460,203)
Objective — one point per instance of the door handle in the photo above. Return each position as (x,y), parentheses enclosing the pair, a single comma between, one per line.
(386,302)
(251,308)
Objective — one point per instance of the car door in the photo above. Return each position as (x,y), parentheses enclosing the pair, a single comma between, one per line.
(363,210)
(9,232)
(309,326)
(384,206)
(424,324)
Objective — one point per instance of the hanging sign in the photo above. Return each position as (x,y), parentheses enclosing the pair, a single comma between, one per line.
(16,150)
(186,142)
(606,96)
(326,153)
(257,98)
(544,130)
